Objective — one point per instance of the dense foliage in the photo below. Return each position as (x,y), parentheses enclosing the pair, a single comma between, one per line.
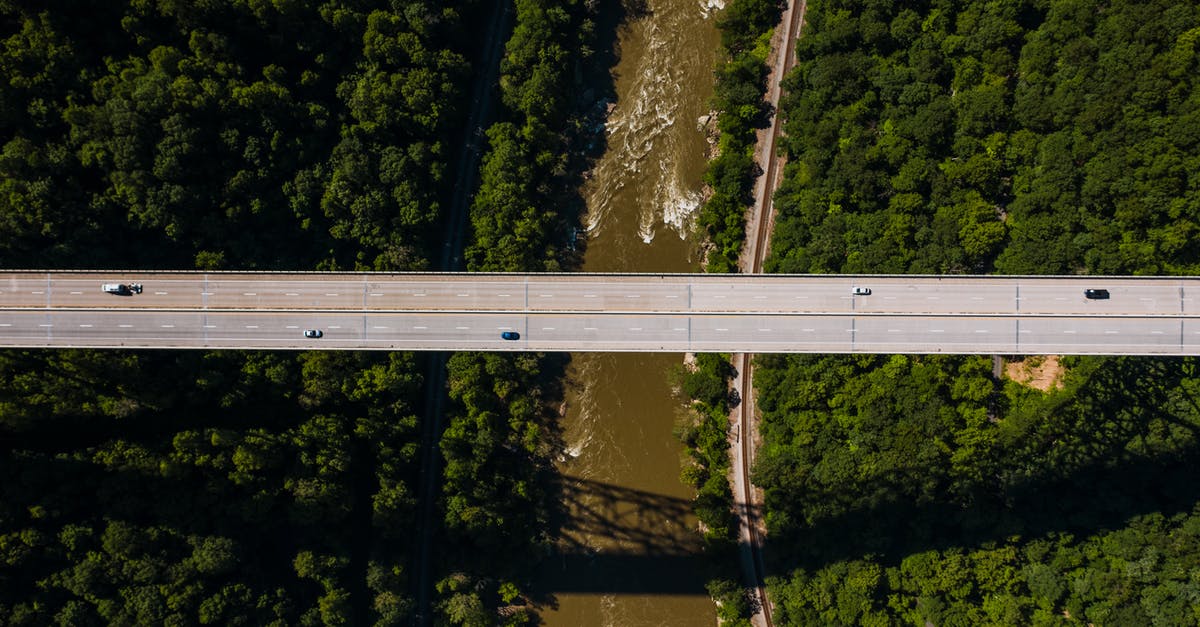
(496,448)
(705,384)
(898,498)
(226,134)
(954,135)
(1025,137)
(159,488)
(517,218)
(218,488)
(746,27)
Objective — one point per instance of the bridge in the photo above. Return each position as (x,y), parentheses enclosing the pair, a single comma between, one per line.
(1008,315)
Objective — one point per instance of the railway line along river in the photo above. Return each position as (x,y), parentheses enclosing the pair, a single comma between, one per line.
(629,553)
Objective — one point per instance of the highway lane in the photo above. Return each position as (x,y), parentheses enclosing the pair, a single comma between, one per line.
(973,334)
(607,293)
(585,312)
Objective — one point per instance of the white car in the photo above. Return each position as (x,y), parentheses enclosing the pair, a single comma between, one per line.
(862,291)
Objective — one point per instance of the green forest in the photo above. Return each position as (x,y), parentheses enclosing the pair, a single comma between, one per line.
(165,487)
(1035,136)
(498,445)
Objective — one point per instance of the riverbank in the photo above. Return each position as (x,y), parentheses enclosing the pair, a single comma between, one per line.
(628,553)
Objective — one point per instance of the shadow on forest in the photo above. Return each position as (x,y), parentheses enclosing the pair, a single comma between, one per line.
(616,540)
(1127,448)
(1079,503)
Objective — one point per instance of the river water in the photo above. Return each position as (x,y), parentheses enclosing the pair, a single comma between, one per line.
(630,553)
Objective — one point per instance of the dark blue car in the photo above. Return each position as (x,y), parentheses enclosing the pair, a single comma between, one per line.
(510,335)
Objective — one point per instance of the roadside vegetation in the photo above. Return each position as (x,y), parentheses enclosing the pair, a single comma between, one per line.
(746,27)
(184,487)
(501,433)
(1040,136)
(705,384)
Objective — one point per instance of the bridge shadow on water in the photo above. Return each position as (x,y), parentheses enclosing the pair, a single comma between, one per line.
(618,540)
(1129,448)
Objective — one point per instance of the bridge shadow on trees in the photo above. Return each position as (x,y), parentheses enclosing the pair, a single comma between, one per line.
(1125,444)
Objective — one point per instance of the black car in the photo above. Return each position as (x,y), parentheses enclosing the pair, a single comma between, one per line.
(1095,294)
(510,335)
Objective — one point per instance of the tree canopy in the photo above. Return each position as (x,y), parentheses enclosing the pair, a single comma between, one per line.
(169,487)
(950,136)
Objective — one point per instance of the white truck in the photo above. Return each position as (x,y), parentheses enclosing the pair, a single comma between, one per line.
(122,288)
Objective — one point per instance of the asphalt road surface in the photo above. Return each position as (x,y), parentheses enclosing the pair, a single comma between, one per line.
(587,312)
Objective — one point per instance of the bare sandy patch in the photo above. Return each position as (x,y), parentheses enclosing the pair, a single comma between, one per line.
(1041,372)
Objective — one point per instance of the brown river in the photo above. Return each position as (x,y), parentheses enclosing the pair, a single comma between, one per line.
(629,553)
